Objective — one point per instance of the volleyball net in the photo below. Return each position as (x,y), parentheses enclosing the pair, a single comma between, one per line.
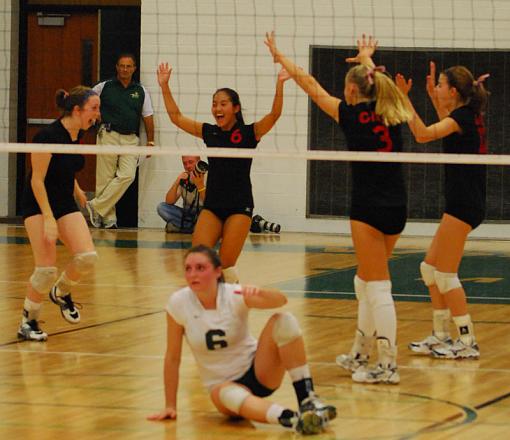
(301,164)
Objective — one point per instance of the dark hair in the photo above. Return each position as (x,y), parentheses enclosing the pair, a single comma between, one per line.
(234,98)
(211,255)
(126,55)
(472,93)
(78,95)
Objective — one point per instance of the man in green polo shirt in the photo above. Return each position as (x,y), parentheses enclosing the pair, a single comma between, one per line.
(123,103)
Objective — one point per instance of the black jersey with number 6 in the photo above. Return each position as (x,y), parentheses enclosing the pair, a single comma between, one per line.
(228,180)
(373,183)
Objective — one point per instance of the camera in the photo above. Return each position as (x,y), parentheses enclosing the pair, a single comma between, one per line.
(201,167)
(259,224)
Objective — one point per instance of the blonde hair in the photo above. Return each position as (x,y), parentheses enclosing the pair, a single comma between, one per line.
(375,85)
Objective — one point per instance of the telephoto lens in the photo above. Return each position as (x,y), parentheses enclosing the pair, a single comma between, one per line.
(271,227)
(201,167)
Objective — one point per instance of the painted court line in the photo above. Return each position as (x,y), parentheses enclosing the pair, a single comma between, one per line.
(454,369)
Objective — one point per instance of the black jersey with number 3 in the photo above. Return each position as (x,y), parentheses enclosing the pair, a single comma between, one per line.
(373,183)
(228,180)
(465,185)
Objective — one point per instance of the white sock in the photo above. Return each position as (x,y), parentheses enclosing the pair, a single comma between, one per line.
(32,310)
(273,413)
(383,309)
(300,373)
(441,323)
(465,329)
(365,319)
(230,275)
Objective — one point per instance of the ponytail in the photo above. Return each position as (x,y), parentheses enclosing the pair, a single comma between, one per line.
(376,85)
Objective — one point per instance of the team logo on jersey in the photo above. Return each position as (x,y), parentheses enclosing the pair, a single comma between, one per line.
(135,95)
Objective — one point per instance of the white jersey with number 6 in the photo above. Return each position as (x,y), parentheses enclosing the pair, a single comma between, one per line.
(219,339)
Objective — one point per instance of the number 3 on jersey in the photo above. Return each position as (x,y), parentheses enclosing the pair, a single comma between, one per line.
(384,136)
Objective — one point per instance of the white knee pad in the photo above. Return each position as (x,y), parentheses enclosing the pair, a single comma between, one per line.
(84,262)
(285,329)
(446,281)
(232,397)
(379,293)
(43,278)
(427,273)
(360,287)
(230,275)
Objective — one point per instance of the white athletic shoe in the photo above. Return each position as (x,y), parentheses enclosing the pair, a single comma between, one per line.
(352,361)
(457,350)
(68,308)
(94,216)
(431,342)
(378,374)
(30,331)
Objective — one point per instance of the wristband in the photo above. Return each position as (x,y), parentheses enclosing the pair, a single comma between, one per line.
(151,143)
(201,189)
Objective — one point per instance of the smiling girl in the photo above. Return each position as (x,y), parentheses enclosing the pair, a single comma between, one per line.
(50,212)
(228,204)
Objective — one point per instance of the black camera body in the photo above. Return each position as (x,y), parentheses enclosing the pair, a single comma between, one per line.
(201,167)
(259,224)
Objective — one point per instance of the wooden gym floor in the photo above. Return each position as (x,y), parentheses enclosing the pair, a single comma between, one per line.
(100,378)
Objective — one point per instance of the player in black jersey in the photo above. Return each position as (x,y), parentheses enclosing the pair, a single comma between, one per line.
(460,102)
(228,204)
(371,118)
(50,212)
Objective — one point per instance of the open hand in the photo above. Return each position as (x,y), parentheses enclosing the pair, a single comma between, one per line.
(283,75)
(270,42)
(164,73)
(167,413)
(403,85)
(50,229)
(366,49)
(431,81)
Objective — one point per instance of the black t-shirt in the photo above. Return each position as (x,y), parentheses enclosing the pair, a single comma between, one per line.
(228,180)
(373,183)
(466,185)
(59,180)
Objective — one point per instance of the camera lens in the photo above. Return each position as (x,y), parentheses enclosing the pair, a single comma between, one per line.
(201,167)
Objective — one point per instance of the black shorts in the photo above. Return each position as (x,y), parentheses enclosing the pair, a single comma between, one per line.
(472,216)
(224,213)
(388,220)
(63,208)
(250,381)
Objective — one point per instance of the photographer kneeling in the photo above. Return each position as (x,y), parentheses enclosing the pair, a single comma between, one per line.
(190,185)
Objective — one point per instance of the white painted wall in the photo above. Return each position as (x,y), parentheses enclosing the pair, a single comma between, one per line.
(215,44)
(5,96)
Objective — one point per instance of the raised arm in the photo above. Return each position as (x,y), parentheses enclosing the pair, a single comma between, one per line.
(40,163)
(431,91)
(421,132)
(327,103)
(267,122)
(188,125)
(263,298)
(175,334)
